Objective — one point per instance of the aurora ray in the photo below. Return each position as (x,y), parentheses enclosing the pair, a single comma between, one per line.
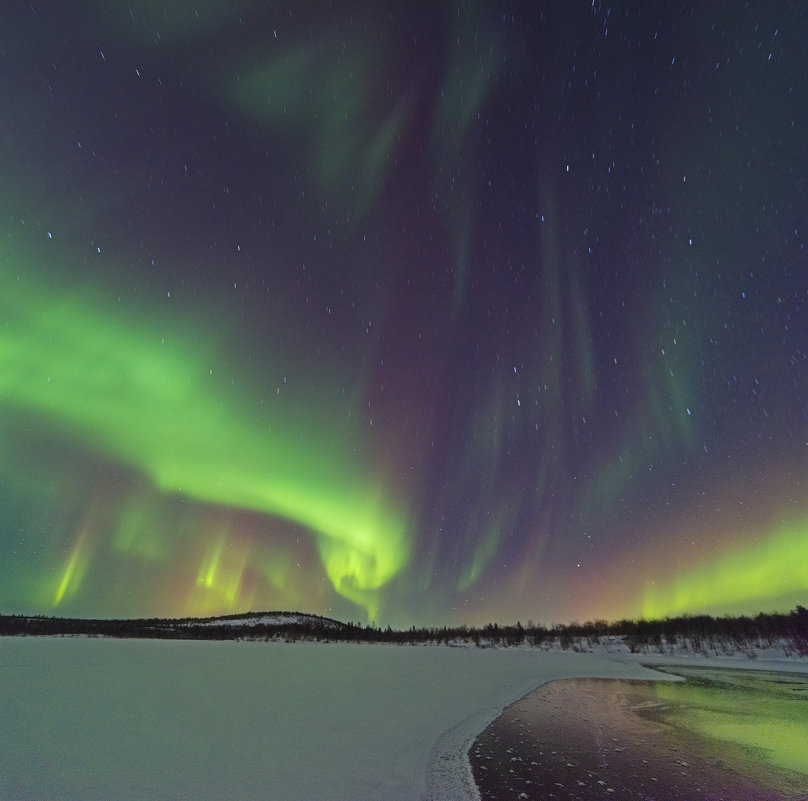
(430,313)
(153,405)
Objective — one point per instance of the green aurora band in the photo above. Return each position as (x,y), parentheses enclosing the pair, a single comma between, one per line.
(586,357)
(115,386)
(773,568)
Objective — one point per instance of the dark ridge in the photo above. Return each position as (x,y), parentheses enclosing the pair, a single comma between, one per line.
(700,634)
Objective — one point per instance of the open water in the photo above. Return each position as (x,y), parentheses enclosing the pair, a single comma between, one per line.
(722,735)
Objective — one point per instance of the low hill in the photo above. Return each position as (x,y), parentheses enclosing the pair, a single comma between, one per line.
(228,627)
(783,634)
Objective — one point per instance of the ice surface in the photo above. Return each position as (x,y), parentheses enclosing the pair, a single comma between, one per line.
(160,719)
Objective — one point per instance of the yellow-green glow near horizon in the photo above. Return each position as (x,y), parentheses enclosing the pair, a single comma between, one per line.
(153,404)
(750,712)
(758,574)
(427,308)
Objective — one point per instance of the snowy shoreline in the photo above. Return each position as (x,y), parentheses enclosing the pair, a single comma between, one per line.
(449,774)
(724,734)
(164,719)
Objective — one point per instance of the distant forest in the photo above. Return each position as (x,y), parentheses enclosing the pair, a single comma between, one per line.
(700,634)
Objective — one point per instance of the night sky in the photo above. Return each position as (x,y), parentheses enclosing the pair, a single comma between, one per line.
(412,312)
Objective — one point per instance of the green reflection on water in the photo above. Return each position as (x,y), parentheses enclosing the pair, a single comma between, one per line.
(760,710)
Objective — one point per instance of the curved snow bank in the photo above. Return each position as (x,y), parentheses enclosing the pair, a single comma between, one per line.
(134,719)
(449,776)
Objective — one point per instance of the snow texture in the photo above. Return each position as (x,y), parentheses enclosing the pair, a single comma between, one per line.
(162,719)
(277,619)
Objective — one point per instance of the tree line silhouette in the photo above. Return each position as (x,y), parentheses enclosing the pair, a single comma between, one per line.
(697,633)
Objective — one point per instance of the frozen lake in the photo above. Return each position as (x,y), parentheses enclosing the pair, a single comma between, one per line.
(722,735)
(132,719)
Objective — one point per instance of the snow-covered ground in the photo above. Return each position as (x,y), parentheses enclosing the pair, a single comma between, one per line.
(270,619)
(162,719)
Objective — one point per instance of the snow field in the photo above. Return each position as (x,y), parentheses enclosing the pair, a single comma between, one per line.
(84,719)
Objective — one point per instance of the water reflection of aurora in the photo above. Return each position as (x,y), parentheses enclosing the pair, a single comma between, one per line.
(755,717)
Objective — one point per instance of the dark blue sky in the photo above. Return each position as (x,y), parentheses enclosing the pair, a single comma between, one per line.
(417,312)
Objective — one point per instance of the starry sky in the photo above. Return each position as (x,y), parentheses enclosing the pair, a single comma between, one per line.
(417,313)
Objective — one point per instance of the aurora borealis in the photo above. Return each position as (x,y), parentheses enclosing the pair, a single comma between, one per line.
(406,312)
